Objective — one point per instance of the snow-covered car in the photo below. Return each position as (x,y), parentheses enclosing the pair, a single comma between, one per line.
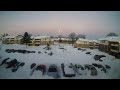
(98,57)
(61,47)
(42,68)
(68,71)
(53,71)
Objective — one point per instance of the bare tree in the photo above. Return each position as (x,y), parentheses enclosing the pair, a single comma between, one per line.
(111,34)
(81,36)
(73,37)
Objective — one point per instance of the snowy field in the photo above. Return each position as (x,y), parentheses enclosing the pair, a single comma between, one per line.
(66,56)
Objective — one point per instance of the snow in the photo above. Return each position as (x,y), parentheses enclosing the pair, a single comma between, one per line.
(62,39)
(66,56)
(96,41)
(41,37)
(9,37)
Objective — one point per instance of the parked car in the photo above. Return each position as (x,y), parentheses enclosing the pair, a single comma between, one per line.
(53,71)
(98,57)
(68,71)
(42,68)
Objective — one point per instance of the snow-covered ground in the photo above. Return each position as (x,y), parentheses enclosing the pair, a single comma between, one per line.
(67,56)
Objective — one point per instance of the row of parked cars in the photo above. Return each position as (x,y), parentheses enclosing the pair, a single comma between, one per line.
(19,51)
(69,70)
(25,51)
(14,65)
(52,70)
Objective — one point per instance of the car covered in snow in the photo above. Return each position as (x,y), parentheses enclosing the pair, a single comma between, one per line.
(68,71)
(53,71)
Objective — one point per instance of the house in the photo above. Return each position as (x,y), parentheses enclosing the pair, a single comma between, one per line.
(63,40)
(56,40)
(41,40)
(9,40)
(93,44)
(115,47)
(81,43)
(104,44)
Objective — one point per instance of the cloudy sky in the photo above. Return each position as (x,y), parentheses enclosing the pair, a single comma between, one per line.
(94,24)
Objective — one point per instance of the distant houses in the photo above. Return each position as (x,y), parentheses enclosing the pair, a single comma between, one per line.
(85,43)
(41,40)
(9,40)
(110,45)
(62,40)
(35,40)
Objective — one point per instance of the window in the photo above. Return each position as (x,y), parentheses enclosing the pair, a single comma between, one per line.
(115,48)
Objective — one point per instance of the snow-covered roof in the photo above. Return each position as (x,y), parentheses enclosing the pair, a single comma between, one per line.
(55,38)
(81,39)
(111,38)
(41,37)
(116,39)
(96,41)
(9,37)
(19,37)
(108,38)
(65,39)
(62,39)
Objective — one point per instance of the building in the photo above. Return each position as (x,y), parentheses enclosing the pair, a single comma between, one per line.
(93,44)
(81,43)
(41,40)
(104,44)
(9,40)
(115,47)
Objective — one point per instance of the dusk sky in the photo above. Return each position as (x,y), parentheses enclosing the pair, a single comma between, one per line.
(94,24)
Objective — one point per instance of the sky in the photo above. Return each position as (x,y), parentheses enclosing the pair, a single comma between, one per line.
(94,24)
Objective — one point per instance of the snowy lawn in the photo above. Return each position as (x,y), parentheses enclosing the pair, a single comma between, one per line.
(66,56)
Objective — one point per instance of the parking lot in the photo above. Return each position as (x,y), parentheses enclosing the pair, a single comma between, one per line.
(58,62)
